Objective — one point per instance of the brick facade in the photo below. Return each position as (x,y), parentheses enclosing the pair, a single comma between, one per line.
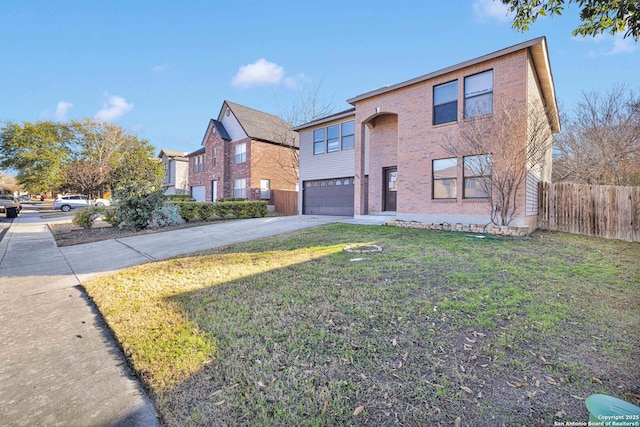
(394,128)
(264,160)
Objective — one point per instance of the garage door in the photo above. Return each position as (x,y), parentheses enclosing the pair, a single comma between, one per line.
(328,197)
(197,193)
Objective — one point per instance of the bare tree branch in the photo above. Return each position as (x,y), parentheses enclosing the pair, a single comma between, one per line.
(507,145)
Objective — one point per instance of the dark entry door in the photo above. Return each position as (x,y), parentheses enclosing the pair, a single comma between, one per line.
(390,188)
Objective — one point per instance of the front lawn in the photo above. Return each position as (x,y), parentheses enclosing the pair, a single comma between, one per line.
(437,328)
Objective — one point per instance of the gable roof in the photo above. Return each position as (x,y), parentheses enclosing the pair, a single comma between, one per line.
(196,152)
(219,128)
(260,125)
(171,153)
(539,53)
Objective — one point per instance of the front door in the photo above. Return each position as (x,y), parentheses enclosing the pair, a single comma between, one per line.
(390,188)
(214,190)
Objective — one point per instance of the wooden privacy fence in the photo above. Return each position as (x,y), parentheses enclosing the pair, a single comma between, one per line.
(286,202)
(605,211)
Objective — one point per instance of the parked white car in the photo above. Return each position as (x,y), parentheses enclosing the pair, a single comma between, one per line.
(72,201)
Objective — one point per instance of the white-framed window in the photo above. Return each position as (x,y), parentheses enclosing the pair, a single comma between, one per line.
(265,189)
(478,94)
(214,157)
(445,177)
(240,188)
(348,130)
(445,103)
(240,153)
(167,173)
(477,177)
(198,163)
(318,141)
(333,138)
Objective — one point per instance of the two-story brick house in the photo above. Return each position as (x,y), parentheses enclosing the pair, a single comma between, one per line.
(245,153)
(386,155)
(176,171)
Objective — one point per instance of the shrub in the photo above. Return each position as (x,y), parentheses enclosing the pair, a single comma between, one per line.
(187,210)
(85,217)
(111,215)
(206,211)
(137,210)
(166,216)
(180,198)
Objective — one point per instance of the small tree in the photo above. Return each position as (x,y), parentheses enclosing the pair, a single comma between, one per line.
(85,177)
(500,150)
(138,187)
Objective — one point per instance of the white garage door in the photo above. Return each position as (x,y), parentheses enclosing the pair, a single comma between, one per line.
(197,193)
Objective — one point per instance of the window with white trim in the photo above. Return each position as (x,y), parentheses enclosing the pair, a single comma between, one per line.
(348,135)
(333,138)
(240,153)
(240,188)
(265,189)
(318,141)
(478,94)
(214,158)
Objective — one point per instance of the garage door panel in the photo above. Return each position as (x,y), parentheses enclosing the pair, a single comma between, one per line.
(323,197)
(198,193)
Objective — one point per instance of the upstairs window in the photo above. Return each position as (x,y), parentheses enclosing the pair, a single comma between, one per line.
(318,141)
(214,158)
(477,177)
(333,138)
(240,153)
(478,94)
(445,103)
(445,174)
(348,135)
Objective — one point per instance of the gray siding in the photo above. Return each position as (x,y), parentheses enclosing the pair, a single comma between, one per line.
(233,127)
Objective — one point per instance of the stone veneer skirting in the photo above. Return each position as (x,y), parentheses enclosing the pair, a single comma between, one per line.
(468,228)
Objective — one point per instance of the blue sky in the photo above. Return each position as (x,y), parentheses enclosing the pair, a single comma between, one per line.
(162,69)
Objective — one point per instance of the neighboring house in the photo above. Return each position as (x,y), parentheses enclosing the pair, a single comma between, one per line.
(245,153)
(176,171)
(386,155)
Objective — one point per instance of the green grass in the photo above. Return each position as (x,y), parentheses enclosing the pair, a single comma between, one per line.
(289,330)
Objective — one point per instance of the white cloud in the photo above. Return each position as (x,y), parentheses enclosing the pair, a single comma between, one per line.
(622,45)
(489,10)
(160,68)
(608,44)
(62,109)
(115,108)
(296,82)
(260,73)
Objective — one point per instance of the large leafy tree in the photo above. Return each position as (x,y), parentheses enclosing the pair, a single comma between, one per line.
(597,16)
(36,151)
(98,149)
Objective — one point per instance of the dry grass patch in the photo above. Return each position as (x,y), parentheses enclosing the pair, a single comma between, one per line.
(291,330)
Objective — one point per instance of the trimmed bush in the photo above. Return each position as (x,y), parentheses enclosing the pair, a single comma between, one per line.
(180,198)
(84,217)
(205,211)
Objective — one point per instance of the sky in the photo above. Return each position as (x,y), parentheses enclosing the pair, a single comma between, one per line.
(162,69)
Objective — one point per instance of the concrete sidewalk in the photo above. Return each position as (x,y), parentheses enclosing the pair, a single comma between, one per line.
(58,363)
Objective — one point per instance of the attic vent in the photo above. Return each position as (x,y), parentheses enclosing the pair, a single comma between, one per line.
(228,112)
